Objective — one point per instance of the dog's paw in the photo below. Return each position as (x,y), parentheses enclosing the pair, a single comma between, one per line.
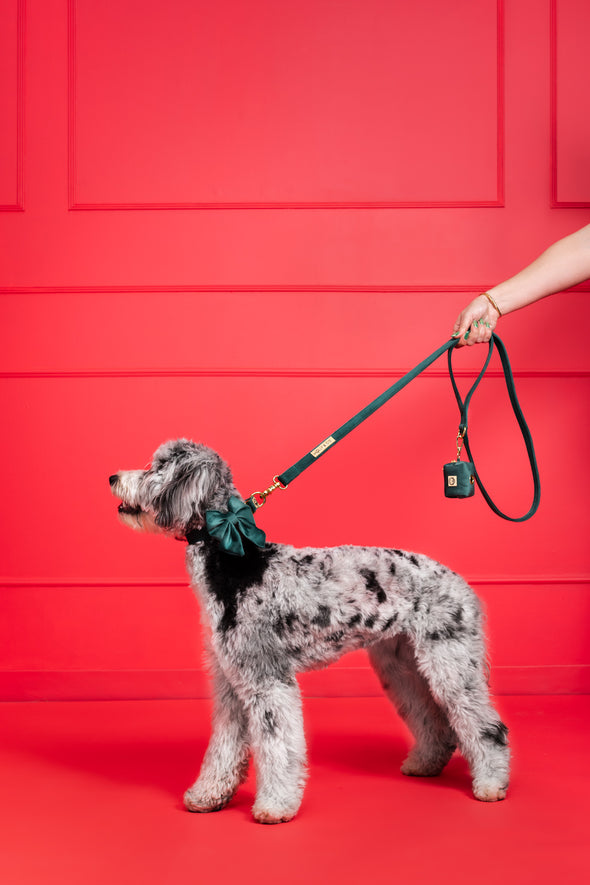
(264,813)
(416,766)
(202,804)
(489,792)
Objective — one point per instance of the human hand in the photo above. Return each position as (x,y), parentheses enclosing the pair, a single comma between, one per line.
(475,323)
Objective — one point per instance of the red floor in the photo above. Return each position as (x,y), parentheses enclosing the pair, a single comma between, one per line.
(91,793)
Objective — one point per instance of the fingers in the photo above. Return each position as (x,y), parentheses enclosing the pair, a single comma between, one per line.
(475,323)
(461,330)
(472,331)
(479,333)
(463,325)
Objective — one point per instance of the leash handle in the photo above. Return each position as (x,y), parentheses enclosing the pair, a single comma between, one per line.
(516,408)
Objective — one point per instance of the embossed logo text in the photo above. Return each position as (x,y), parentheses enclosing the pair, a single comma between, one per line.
(323,446)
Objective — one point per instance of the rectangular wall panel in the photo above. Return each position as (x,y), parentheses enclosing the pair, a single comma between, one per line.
(67,435)
(302,102)
(570,117)
(194,331)
(11,104)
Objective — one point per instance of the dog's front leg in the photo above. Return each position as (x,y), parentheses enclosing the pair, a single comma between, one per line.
(275,721)
(225,764)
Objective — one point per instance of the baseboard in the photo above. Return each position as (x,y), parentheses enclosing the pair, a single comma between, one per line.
(103,685)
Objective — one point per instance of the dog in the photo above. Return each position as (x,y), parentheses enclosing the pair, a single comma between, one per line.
(277,610)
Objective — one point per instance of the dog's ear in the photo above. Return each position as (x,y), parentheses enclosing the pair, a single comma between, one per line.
(182,501)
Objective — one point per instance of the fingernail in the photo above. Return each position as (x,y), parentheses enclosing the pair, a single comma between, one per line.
(466,335)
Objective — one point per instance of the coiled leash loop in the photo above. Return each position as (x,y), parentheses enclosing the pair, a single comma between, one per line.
(282,480)
(526,433)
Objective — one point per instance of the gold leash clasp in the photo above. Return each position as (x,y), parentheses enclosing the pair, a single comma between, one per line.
(459,441)
(258,499)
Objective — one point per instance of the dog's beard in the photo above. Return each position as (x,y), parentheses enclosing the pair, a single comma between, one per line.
(138,519)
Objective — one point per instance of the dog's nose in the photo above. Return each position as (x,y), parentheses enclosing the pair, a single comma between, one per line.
(113,479)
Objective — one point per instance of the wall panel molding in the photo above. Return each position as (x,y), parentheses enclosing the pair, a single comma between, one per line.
(248,288)
(389,374)
(19,204)
(556,202)
(77,204)
(71,100)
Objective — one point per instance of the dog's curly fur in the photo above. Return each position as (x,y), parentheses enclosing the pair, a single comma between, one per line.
(280,610)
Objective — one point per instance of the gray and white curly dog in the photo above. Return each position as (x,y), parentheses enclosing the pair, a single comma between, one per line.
(278,610)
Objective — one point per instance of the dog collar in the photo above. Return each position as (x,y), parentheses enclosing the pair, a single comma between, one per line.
(196,535)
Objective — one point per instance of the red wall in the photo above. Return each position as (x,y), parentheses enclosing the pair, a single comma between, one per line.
(239,222)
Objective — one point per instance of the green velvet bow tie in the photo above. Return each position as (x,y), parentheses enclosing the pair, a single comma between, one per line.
(230,527)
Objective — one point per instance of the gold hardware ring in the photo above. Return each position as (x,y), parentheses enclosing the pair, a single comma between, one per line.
(259,498)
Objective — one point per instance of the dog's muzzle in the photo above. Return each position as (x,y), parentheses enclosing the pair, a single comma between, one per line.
(123,508)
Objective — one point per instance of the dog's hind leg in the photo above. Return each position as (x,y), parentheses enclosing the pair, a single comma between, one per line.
(225,765)
(277,739)
(455,672)
(394,662)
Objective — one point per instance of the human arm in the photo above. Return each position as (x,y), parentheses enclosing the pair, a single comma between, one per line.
(563,264)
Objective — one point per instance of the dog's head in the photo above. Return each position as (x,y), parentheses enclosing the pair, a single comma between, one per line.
(184,480)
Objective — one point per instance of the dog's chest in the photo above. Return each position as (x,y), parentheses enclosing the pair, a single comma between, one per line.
(224,581)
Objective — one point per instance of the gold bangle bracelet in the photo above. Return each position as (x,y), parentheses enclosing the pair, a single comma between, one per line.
(492,302)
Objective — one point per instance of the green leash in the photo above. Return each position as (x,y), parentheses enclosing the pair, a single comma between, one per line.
(258,499)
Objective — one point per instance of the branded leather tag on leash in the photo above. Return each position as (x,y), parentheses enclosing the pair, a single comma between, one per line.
(460,476)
